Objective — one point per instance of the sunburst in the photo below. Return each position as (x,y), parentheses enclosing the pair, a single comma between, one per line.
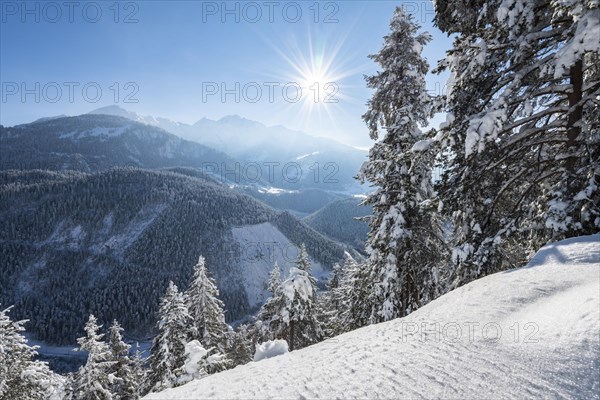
(317,68)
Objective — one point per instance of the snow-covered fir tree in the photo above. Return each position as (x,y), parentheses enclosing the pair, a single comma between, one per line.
(355,289)
(270,317)
(240,351)
(345,297)
(300,313)
(206,310)
(124,369)
(337,299)
(329,304)
(405,241)
(138,369)
(94,380)
(522,136)
(22,378)
(175,330)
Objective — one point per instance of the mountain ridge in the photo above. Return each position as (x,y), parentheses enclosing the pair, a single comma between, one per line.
(106,243)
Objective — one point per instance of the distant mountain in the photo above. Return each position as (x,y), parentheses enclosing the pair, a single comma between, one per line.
(297,159)
(299,202)
(107,243)
(91,143)
(120,112)
(338,220)
(44,119)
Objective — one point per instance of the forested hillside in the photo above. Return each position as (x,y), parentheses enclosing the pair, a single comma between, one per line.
(107,243)
(341,220)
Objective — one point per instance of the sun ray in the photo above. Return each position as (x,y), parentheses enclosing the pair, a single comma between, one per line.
(321,66)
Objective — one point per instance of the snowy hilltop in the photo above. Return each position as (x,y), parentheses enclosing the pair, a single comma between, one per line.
(531,332)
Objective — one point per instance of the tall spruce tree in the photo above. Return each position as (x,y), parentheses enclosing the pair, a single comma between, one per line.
(240,351)
(354,291)
(175,330)
(522,137)
(271,324)
(94,380)
(345,297)
(138,369)
(301,306)
(22,378)
(126,384)
(405,242)
(206,310)
(330,303)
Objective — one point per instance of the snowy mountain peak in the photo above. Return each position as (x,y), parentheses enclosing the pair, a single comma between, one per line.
(121,112)
(44,119)
(114,110)
(239,121)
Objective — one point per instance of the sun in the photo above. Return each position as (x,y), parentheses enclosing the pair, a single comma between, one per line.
(319,68)
(318,75)
(319,87)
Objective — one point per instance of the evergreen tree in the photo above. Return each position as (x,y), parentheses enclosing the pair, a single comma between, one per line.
(405,241)
(345,298)
(240,351)
(22,378)
(271,324)
(126,383)
(206,310)
(354,292)
(138,370)
(94,380)
(330,311)
(522,137)
(301,306)
(175,330)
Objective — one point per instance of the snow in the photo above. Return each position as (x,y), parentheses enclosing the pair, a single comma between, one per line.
(314,153)
(483,129)
(421,145)
(117,241)
(54,350)
(274,190)
(298,282)
(525,333)
(270,349)
(260,247)
(194,354)
(586,39)
(65,234)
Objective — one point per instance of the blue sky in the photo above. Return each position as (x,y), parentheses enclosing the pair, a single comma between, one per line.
(175,59)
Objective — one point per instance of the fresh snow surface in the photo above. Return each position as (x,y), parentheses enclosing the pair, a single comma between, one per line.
(261,246)
(274,190)
(532,332)
(270,349)
(314,153)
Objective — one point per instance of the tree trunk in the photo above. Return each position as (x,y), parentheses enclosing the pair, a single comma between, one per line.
(574,129)
(291,343)
(575,112)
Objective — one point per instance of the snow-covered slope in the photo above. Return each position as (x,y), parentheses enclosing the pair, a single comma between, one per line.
(528,333)
(263,245)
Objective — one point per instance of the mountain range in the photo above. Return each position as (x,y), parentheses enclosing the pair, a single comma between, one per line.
(297,159)
(100,211)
